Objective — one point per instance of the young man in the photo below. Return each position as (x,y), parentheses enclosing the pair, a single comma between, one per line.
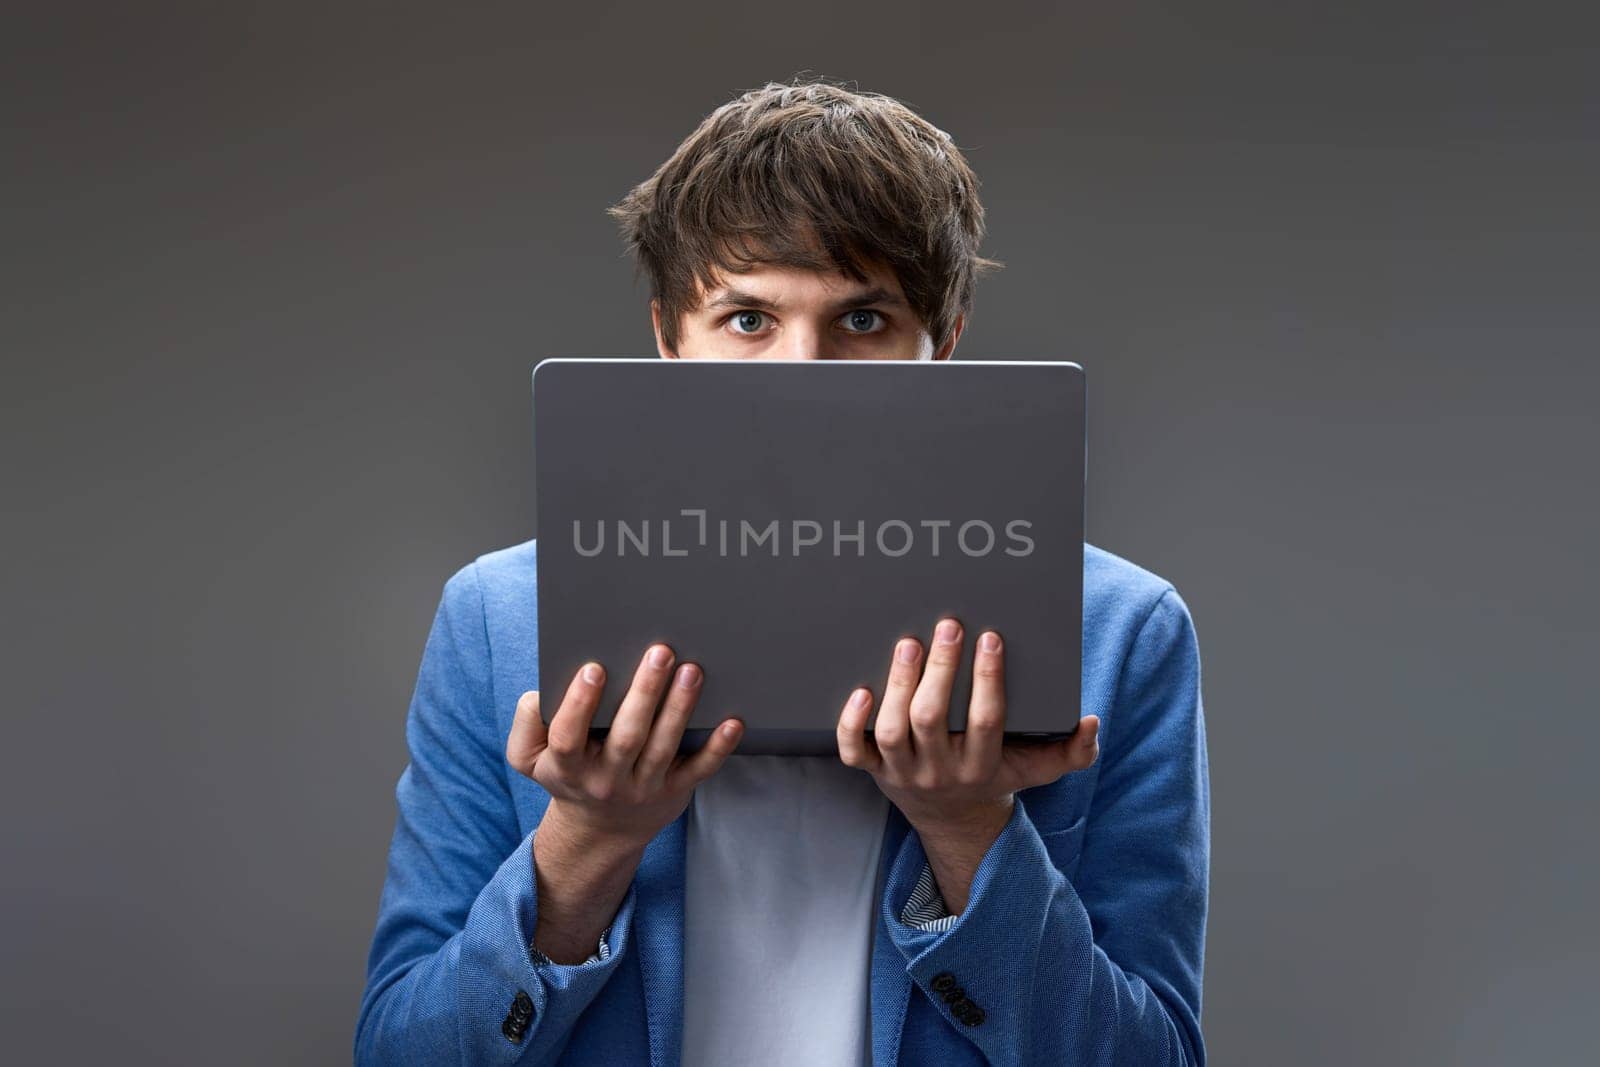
(923,897)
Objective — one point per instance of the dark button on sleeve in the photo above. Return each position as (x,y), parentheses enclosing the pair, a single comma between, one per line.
(515,1025)
(945,985)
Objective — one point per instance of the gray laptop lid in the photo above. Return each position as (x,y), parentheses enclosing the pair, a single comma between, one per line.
(782,523)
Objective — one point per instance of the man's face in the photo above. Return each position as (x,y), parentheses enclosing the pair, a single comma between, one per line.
(776,312)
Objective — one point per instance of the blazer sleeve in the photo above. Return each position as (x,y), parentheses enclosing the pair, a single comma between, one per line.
(452,976)
(1104,966)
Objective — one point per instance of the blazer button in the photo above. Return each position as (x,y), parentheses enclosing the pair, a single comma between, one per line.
(515,1025)
(943,982)
(973,1016)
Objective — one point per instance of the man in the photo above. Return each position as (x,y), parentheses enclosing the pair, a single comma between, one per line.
(923,897)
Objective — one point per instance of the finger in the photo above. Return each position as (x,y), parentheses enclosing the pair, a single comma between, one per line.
(930,703)
(630,727)
(1042,764)
(528,735)
(661,748)
(855,750)
(892,730)
(569,728)
(698,766)
(1088,736)
(986,713)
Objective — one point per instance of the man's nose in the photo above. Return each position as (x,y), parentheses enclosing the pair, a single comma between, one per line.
(804,341)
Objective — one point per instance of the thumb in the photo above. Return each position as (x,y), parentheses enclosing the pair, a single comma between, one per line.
(698,766)
(1043,764)
(529,735)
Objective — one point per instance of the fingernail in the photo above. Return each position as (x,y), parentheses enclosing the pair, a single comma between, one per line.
(729,729)
(946,631)
(660,656)
(688,676)
(592,674)
(906,651)
(990,642)
(858,698)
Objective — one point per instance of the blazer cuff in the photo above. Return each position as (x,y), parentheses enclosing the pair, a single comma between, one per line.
(520,1003)
(977,970)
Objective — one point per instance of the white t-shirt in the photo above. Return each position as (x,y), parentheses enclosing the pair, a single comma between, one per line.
(781,889)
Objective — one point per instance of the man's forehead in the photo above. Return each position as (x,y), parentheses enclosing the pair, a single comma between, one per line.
(779,284)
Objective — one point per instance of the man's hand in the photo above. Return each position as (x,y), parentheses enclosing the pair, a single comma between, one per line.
(956,790)
(607,798)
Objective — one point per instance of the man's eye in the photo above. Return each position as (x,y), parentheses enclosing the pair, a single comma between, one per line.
(862,320)
(747,321)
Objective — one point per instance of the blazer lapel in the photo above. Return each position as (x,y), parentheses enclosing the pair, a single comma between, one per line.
(658,932)
(891,986)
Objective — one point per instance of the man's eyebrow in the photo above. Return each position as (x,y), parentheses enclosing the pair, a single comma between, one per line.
(738,298)
(729,298)
(876,295)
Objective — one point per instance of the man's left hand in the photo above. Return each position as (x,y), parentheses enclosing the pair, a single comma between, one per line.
(956,789)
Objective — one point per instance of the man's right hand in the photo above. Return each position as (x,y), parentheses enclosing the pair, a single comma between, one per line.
(608,797)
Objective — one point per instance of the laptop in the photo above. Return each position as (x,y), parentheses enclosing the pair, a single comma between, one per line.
(783,523)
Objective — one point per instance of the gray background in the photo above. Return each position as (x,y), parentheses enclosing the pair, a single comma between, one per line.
(272,281)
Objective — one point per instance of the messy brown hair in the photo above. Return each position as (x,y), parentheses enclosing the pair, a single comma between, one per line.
(815,176)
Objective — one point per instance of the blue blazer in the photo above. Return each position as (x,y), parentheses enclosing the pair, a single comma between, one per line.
(1082,939)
